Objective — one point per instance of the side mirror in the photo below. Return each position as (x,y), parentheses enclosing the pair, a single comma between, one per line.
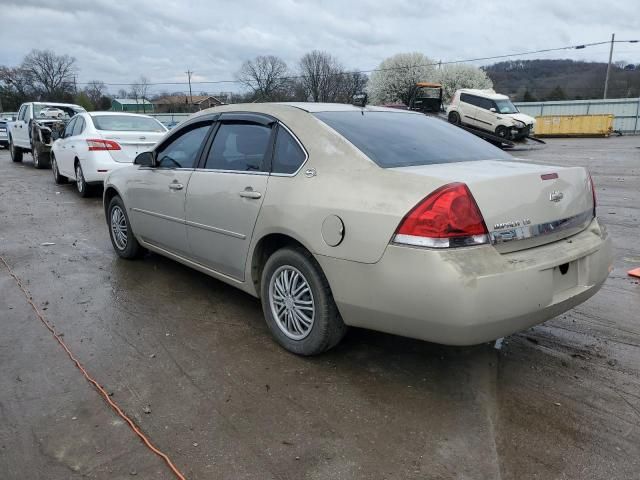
(14,118)
(145,159)
(492,110)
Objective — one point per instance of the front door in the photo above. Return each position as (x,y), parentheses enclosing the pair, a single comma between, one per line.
(225,197)
(63,153)
(156,195)
(20,128)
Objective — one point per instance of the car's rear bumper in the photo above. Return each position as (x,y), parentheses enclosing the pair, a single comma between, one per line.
(98,165)
(469,295)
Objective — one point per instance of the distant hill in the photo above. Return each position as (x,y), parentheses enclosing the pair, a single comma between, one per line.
(531,80)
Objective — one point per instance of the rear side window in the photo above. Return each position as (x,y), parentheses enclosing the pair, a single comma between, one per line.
(288,156)
(398,139)
(239,147)
(470,99)
(182,151)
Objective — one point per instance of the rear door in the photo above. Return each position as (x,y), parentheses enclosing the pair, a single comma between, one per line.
(156,195)
(468,108)
(225,195)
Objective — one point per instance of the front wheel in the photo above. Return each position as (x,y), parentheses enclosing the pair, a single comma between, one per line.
(59,179)
(81,183)
(298,305)
(122,238)
(502,132)
(16,152)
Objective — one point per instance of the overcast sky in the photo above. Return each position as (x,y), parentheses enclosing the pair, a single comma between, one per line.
(117,41)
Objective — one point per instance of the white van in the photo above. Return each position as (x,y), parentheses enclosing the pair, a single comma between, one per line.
(490,111)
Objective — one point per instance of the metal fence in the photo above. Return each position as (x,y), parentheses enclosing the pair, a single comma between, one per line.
(625,110)
(170,118)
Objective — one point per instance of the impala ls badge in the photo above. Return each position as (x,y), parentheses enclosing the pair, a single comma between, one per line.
(556,196)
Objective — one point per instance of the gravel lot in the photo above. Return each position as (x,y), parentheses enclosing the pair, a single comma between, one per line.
(191,360)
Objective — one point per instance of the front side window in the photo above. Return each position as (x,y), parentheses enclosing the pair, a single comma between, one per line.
(239,147)
(21,113)
(288,156)
(182,150)
(403,139)
(69,128)
(79,126)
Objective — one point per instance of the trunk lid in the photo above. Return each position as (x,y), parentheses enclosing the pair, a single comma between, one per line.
(131,143)
(524,205)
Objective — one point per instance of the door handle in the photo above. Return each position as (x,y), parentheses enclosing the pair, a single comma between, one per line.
(250,194)
(176,186)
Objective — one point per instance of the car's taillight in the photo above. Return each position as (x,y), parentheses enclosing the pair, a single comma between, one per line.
(101,144)
(448,217)
(593,194)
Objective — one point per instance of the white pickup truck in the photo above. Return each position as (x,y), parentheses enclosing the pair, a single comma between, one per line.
(37,126)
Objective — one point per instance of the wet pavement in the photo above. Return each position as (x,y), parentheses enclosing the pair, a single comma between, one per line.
(191,361)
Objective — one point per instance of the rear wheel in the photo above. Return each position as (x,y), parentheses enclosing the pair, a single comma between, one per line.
(81,184)
(59,179)
(40,159)
(298,305)
(122,238)
(454,117)
(16,152)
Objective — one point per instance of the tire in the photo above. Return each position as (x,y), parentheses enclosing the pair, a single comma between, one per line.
(117,214)
(16,152)
(40,159)
(84,190)
(454,117)
(59,179)
(323,327)
(502,132)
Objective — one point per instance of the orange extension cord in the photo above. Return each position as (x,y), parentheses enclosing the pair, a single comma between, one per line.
(91,380)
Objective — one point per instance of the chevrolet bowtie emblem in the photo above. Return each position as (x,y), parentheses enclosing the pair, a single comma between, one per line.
(556,196)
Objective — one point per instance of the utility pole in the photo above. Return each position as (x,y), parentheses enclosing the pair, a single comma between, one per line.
(606,79)
(189,73)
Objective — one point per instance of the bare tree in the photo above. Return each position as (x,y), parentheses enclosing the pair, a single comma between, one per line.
(352,83)
(15,87)
(95,90)
(322,76)
(51,74)
(122,93)
(139,91)
(265,76)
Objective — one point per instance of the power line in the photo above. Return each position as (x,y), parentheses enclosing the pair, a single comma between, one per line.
(431,64)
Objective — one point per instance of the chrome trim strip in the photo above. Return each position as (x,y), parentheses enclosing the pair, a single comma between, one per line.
(216,230)
(192,224)
(306,154)
(159,215)
(244,172)
(530,231)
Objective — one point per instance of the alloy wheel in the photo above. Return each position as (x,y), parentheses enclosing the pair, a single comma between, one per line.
(119,228)
(79,179)
(291,302)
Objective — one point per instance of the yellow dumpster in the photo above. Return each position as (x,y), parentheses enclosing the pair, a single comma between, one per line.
(574,125)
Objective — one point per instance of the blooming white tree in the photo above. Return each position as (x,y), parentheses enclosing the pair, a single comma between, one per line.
(454,77)
(396,77)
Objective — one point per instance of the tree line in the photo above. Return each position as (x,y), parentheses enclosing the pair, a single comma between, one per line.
(318,76)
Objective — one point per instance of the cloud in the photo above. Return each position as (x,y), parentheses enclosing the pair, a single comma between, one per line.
(119,41)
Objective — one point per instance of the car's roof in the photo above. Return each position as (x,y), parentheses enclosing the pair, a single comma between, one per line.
(309,107)
(55,104)
(485,93)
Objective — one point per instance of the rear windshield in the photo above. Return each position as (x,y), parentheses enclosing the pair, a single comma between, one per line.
(401,139)
(126,123)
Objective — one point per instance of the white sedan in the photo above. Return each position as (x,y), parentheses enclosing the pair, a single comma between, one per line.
(94,144)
